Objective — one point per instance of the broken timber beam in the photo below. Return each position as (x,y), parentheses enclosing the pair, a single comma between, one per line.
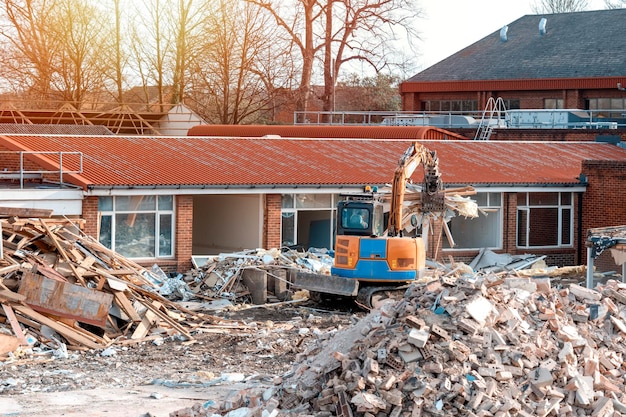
(63,330)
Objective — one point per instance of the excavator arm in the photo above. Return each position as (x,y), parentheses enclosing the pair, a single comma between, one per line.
(432,188)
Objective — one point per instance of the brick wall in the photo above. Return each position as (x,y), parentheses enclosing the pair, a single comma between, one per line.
(90,215)
(561,135)
(271,221)
(603,202)
(184,232)
(435,242)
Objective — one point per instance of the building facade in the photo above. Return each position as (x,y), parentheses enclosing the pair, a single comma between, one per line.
(555,61)
(164,199)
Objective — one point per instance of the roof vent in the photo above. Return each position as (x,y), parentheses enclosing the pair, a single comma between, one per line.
(503,32)
(542,26)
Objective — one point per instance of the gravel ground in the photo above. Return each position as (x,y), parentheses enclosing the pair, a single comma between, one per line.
(164,375)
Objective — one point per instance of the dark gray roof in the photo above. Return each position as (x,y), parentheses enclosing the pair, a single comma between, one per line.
(575,45)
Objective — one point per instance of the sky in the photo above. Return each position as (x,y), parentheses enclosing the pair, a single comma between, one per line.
(450,25)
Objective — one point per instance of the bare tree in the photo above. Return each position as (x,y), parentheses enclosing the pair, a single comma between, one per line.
(615,4)
(364,31)
(234,76)
(30,47)
(151,44)
(54,47)
(188,41)
(80,30)
(118,52)
(165,43)
(297,21)
(559,6)
(345,31)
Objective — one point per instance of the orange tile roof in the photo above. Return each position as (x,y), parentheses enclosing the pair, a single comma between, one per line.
(262,162)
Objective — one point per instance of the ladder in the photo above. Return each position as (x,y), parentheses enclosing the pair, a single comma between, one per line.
(494,111)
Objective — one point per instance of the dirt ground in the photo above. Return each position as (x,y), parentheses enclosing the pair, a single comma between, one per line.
(157,378)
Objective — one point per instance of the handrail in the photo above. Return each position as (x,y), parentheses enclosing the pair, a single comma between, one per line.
(23,172)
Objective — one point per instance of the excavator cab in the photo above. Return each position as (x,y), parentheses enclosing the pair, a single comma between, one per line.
(360,218)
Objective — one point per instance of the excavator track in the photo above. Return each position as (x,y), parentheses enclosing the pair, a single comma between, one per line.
(371,296)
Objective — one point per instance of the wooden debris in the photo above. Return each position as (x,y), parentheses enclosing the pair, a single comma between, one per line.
(60,278)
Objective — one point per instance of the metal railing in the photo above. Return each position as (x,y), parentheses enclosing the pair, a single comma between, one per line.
(515,118)
(17,161)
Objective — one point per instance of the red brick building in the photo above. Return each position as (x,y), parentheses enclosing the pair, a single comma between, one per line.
(554,61)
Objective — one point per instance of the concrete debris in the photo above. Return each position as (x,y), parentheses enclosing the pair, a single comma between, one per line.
(255,276)
(489,345)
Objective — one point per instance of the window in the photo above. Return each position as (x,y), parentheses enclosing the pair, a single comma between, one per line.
(512,103)
(485,231)
(308,220)
(355,218)
(607,107)
(137,226)
(544,219)
(457,106)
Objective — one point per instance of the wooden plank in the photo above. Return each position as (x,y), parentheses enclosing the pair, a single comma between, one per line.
(8,269)
(144,327)
(163,316)
(25,212)
(15,325)
(150,338)
(66,300)
(8,295)
(68,333)
(62,252)
(127,306)
(41,267)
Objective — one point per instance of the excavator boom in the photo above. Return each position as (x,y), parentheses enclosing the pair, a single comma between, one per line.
(433,197)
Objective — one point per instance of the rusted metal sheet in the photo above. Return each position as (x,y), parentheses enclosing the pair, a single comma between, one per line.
(66,300)
(326,131)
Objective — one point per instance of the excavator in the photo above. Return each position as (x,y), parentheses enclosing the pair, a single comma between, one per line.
(372,253)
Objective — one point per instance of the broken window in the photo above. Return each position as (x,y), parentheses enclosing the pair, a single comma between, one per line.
(484,231)
(137,226)
(544,219)
(307,220)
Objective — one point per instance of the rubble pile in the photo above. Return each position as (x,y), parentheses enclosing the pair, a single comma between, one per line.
(63,289)
(491,345)
(222,277)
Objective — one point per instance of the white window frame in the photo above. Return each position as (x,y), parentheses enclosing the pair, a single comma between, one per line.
(488,209)
(157,226)
(334,198)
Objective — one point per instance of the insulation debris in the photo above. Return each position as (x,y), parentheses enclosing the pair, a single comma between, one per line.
(242,276)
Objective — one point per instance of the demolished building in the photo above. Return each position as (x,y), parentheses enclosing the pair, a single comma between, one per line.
(164,199)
